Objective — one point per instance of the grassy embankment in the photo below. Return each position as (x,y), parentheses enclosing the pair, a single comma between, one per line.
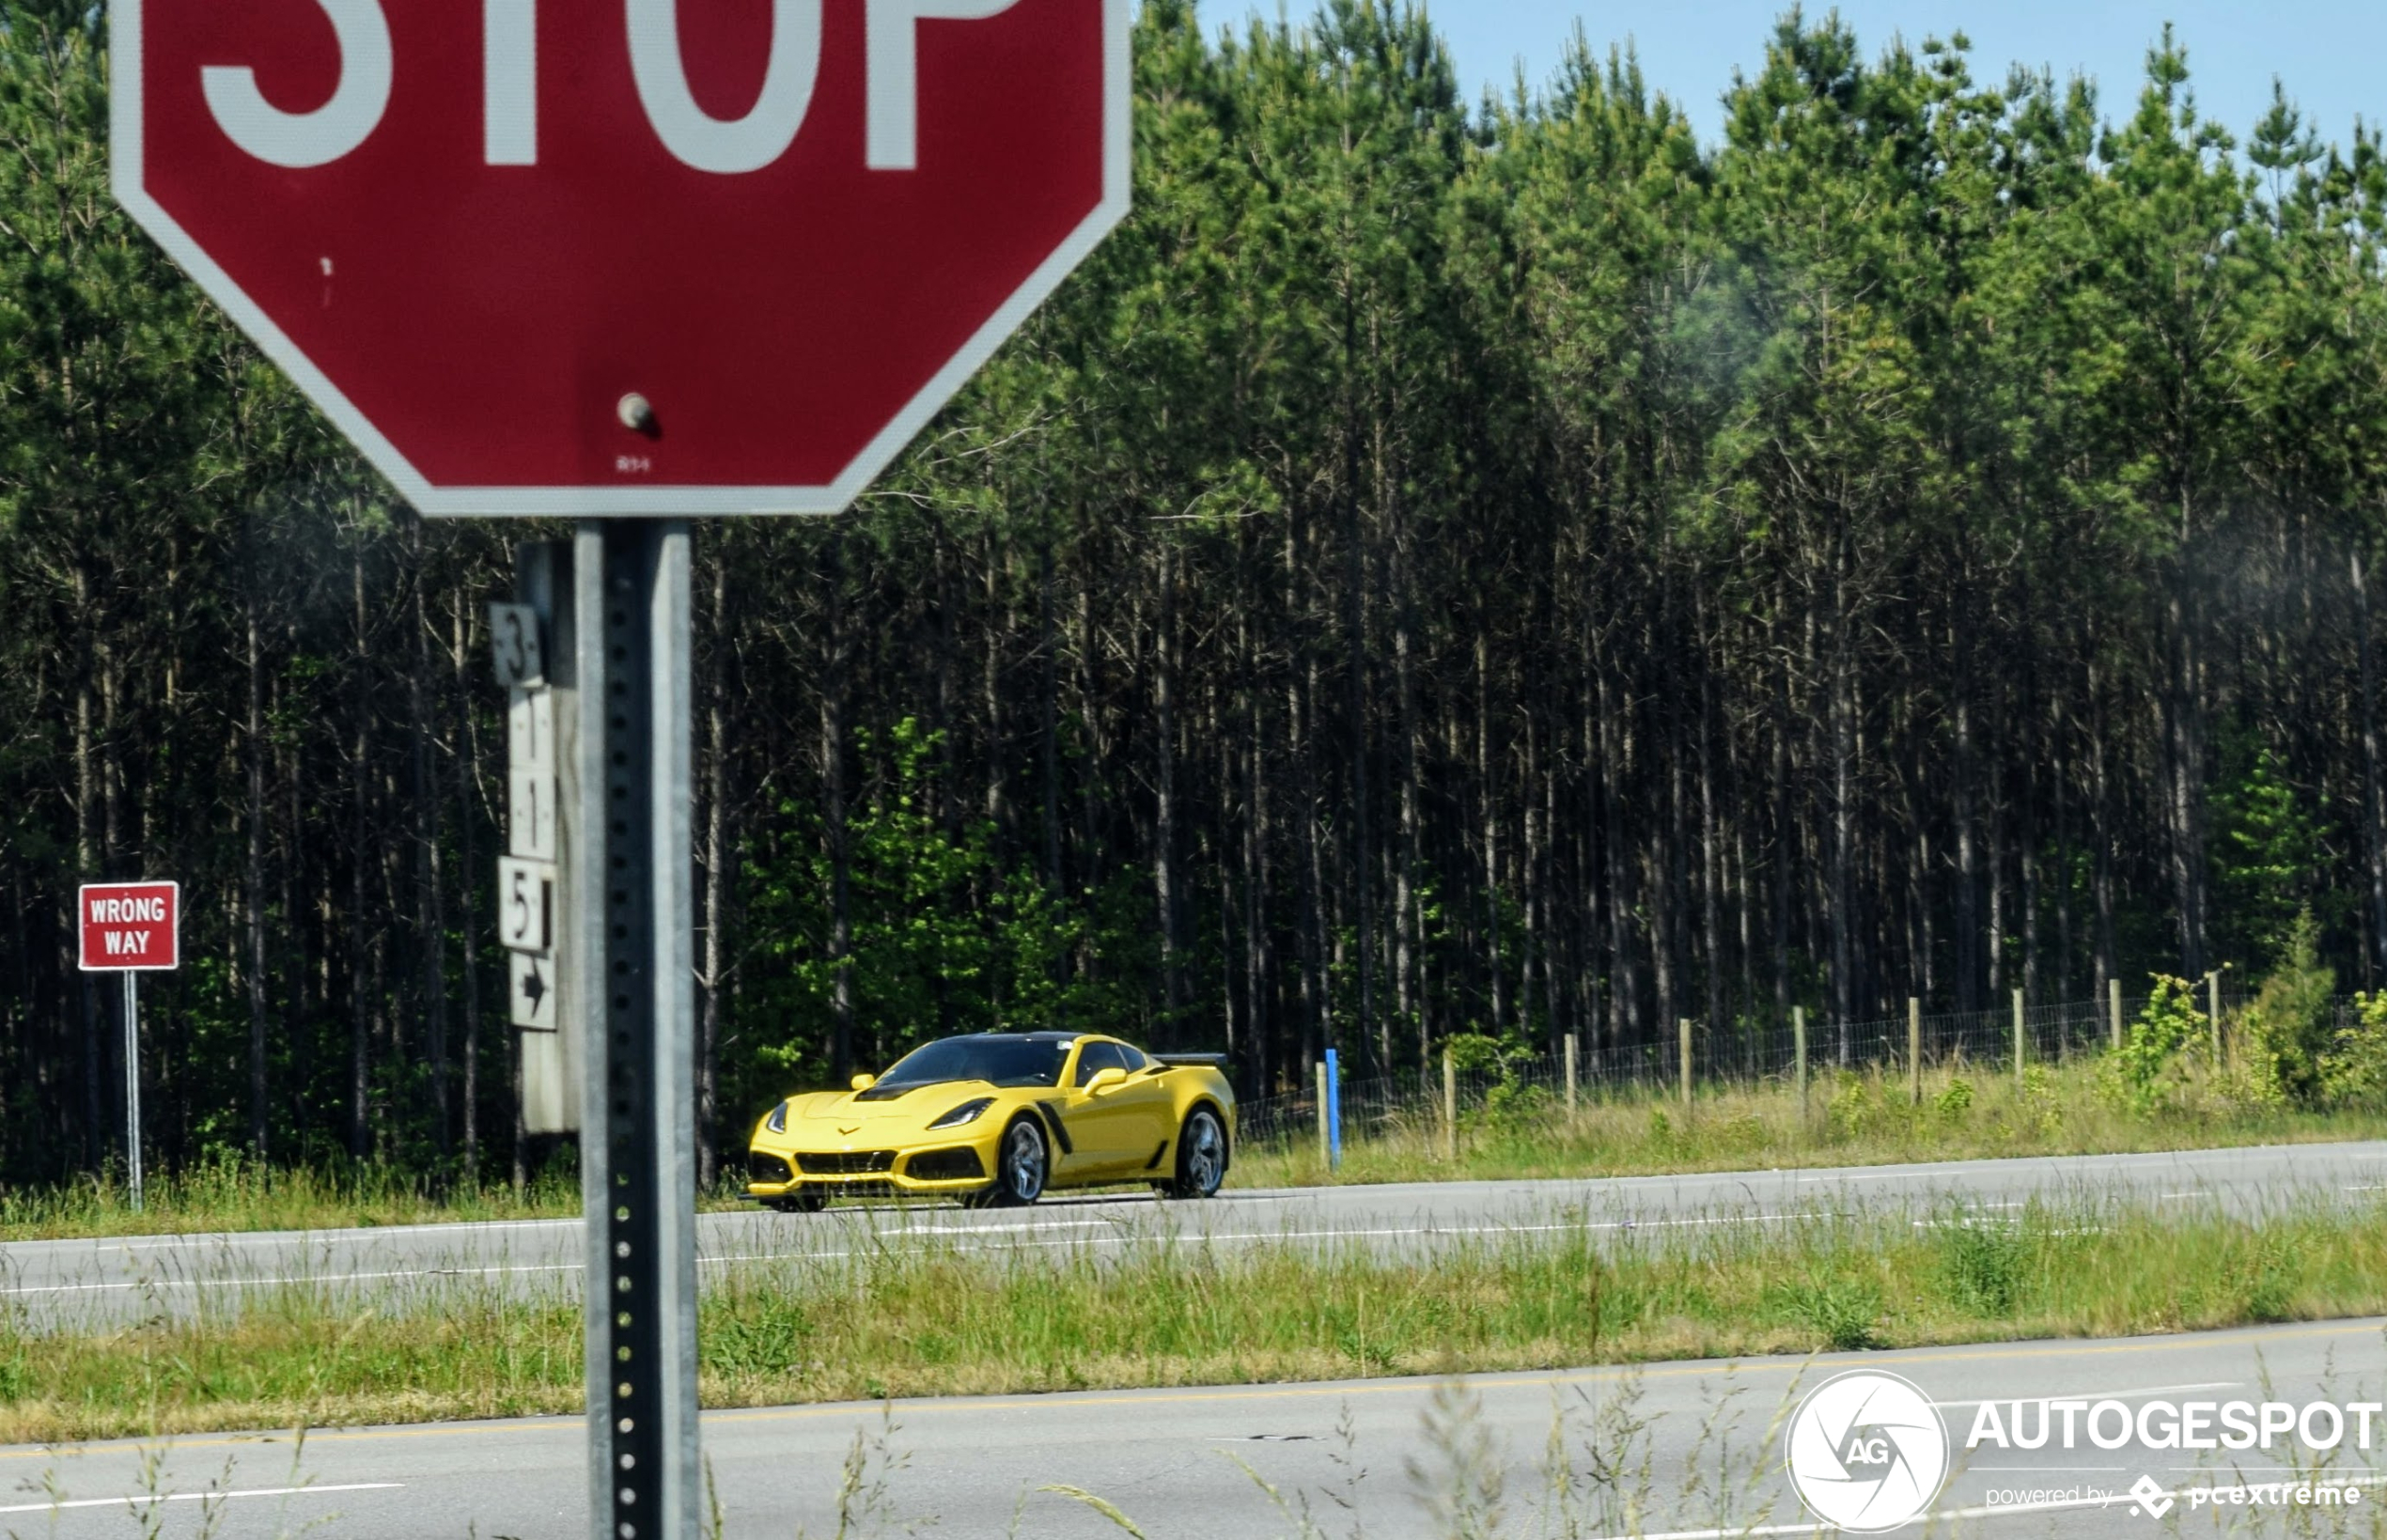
(1157,1313)
(1869,1118)
(1866,1119)
(234,1196)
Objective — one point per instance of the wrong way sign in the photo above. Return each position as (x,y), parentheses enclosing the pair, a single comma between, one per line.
(646,258)
(129,926)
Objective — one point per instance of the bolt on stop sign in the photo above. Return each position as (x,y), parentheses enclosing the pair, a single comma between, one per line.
(625,256)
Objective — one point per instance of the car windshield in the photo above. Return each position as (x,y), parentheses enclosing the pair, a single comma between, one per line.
(997,1060)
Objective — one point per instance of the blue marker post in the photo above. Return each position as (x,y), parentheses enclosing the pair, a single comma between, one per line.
(1333,1111)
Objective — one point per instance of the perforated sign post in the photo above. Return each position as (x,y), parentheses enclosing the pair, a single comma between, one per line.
(628,263)
(131,928)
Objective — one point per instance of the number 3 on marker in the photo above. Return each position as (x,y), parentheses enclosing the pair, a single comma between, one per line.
(513,630)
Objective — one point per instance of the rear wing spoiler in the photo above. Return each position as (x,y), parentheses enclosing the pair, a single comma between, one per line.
(1184,1061)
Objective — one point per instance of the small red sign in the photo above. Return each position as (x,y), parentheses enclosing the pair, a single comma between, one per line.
(131,926)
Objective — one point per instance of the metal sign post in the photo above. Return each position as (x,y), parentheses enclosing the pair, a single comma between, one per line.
(761,313)
(133,1089)
(131,928)
(628,926)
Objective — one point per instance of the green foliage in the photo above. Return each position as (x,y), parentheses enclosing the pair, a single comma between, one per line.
(2289,1030)
(1843,1313)
(1477,1052)
(943,939)
(2149,1071)
(1982,1265)
(2268,855)
(2354,1074)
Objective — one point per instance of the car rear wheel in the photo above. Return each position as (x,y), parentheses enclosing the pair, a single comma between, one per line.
(1201,1156)
(1020,1165)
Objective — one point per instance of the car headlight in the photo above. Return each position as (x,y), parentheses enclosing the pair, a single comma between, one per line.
(967,1112)
(777,1121)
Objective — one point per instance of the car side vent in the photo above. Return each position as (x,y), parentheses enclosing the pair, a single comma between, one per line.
(767,1168)
(961,1165)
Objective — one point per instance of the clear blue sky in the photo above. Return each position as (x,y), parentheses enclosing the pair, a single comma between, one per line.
(2332,54)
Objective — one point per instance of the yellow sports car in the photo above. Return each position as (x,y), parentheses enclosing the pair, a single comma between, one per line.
(998,1118)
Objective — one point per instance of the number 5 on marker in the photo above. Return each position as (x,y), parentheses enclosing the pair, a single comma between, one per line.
(526,906)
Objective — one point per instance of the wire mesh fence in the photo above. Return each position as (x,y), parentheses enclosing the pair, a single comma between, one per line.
(1742,1057)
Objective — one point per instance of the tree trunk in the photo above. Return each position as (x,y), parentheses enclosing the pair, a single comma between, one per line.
(716,888)
(468,853)
(833,783)
(254,966)
(2374,830)
(1164,876)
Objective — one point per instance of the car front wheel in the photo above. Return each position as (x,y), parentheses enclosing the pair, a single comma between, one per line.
(1021,1166)
(1201,1156)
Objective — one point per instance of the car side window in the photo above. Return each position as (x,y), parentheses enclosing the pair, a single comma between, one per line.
(1095,1057)
(1134,1059)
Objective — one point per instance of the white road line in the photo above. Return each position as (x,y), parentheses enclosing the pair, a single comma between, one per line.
(2095,1395)
(507,1269)
(2017,1510)
(144,1499)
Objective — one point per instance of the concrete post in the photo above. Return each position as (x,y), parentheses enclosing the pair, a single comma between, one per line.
(2113,1005)
(1685,1031)
(1570,1073)
(1799,1046)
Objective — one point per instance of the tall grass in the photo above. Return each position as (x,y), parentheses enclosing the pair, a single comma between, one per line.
(1156,1311)
(233,1195)
(1864,1117)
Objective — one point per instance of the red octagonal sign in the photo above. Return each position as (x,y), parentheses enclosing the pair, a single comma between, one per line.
(626,256)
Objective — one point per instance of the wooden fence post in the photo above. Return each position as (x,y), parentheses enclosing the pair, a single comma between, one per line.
(2113,990)
(1914,1049)
(2213,1005)
(1570,1073)
(2021,1047)
(1450,1107)
(1799,1046)
(1686,1061)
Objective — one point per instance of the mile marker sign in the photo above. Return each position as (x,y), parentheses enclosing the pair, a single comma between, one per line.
(649,258)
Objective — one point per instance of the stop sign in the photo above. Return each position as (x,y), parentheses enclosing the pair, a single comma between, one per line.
(625,256)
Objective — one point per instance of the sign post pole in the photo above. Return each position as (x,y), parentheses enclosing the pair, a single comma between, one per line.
(133,1088)
(130,929)
(629,919)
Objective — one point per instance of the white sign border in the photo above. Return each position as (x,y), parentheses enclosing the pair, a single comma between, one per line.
(127,178)
(171,886)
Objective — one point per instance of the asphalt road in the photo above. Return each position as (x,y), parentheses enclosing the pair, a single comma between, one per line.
(86,1281)
(1359,1457)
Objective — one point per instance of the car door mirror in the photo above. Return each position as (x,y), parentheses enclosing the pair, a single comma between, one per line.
(864,1083)
(1107,1078)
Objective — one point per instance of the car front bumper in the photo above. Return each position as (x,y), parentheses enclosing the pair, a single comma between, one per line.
(780,1169)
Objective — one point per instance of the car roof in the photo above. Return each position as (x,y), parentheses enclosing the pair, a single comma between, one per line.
(1019,1036)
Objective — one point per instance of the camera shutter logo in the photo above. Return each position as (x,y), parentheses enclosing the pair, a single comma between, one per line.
(1867,1452)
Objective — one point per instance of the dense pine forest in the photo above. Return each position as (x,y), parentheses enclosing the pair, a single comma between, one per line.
(1510,567)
